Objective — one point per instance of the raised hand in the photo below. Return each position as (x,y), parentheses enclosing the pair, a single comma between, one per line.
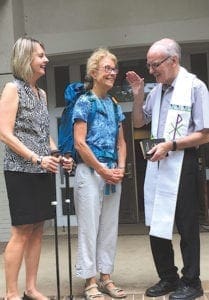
(136,82)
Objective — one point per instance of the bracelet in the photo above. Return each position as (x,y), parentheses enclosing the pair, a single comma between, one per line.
(39,160)
(174,146)
(31,157)
(121,167)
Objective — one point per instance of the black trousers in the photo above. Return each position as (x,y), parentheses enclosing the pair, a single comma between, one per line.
(187,223)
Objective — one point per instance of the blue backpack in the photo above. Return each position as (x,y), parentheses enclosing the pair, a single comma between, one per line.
(65,134)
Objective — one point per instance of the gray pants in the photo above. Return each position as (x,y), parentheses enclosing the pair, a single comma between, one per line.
(97,216)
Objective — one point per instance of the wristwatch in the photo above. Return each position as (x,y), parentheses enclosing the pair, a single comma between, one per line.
(174,146)
(39,160)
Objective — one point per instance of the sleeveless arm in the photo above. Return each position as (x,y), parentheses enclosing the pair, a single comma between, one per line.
(8,110)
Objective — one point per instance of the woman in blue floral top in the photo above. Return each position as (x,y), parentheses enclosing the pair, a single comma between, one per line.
(101,165)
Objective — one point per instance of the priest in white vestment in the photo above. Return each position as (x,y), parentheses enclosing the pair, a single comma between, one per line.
(178,109)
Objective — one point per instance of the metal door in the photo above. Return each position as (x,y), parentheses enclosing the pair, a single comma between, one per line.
(129,203)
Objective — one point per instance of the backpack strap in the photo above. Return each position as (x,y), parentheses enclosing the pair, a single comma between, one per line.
(115,105)
(92,111)
(114,100)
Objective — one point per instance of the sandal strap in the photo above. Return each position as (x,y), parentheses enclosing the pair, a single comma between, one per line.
(90,295)
(114,292)
(95,295)
(91,286)
(106,282)
(117,289)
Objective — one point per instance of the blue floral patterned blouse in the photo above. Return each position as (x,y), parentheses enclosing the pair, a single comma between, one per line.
(102,130)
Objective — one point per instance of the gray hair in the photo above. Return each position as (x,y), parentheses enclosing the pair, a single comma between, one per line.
(22,56)
(168,46)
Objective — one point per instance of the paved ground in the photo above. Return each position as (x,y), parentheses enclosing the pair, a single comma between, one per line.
(134,269)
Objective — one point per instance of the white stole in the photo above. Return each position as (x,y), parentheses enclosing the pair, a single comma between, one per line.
(162,179)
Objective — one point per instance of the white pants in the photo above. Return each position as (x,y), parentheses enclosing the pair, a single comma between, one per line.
(97,216)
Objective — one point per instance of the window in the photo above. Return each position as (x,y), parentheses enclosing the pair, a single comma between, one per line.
(83,72)
(62,78)
(199,66)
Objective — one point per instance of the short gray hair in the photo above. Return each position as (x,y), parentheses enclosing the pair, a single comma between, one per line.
(168,46)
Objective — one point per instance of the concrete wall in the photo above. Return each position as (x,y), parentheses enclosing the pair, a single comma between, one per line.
(11,27)
(77,25)
(6,35)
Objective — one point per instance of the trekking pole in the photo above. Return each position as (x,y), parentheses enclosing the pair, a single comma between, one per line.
(54,204)
(68,205)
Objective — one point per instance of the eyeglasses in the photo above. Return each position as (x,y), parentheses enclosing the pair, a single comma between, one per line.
(156,65)
(108,69)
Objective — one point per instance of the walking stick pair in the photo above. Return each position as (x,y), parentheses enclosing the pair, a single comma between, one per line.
(54,203)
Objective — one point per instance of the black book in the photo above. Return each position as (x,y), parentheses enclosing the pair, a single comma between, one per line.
(147,144)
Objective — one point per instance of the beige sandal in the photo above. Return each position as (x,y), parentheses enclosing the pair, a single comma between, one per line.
(90,295)
(114,292)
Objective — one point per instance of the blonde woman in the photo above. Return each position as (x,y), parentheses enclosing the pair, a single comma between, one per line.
(28,164)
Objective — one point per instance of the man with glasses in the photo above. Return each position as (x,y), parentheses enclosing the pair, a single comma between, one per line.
(178,109)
